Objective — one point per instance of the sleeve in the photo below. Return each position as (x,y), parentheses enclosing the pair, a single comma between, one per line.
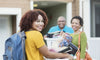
(71,30)
(50,30)
(38,40)
(83,45)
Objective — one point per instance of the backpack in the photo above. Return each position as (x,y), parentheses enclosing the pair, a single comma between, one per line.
(15,47)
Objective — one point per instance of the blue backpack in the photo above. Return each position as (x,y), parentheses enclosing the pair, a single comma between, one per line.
(15,47)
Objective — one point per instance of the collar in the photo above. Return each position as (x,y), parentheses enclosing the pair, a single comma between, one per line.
(62,29)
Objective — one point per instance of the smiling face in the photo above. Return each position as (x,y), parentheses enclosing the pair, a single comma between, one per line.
(38,24)
(75,24)
(61,22)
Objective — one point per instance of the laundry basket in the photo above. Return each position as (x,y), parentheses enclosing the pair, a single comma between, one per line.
(52,43)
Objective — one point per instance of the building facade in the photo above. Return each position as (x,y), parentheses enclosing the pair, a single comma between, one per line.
(11,12)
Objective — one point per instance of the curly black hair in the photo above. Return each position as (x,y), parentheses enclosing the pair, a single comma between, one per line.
(79,18)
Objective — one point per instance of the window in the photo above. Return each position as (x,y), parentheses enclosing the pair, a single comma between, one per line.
(95,19)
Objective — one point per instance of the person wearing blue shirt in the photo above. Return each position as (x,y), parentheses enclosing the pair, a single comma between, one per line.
(61,26)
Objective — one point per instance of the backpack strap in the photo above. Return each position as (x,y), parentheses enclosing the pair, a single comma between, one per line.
(22,34)
(23,37)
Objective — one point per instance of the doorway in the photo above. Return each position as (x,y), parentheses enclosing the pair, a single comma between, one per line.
(53,11)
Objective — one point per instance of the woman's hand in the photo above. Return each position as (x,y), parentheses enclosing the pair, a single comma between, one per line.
(81,59)
(70,57)
(62,34)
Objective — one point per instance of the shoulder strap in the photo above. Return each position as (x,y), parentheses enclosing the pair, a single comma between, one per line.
(23,38)
(79,40)
(22,34)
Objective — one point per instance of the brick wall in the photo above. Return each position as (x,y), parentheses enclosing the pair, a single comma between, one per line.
(23,4)
(75,8)
(56,0)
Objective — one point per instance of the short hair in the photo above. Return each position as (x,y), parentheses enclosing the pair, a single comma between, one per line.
(61,17)
(79,18)
(29,17)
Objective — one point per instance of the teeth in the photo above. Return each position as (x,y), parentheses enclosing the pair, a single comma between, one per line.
(61,25)
(40,27)
(74,27)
